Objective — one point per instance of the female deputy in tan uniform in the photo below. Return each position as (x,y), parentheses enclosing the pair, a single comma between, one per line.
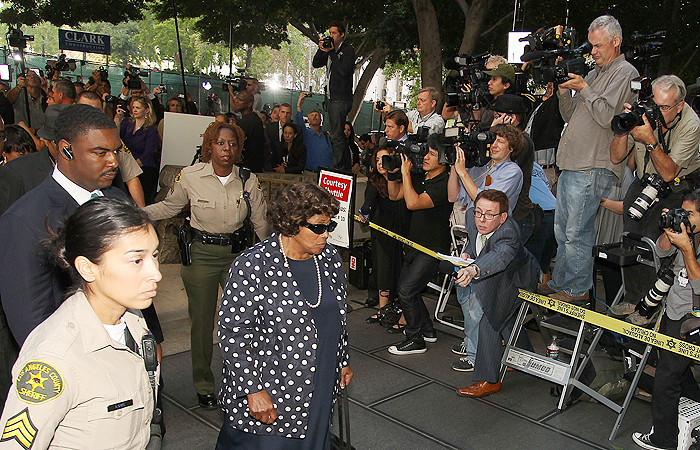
(215,192)
(80,381)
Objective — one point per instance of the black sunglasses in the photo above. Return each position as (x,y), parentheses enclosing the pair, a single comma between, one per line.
(320,228)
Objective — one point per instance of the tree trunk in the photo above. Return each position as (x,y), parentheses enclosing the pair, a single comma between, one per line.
(473,23)
(248,57)
(431,50)
(375,62)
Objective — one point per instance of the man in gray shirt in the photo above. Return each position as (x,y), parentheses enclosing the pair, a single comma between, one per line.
(584,157)
(673,372)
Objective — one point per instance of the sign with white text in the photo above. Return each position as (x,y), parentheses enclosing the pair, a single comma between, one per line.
(84,42)
(342,186)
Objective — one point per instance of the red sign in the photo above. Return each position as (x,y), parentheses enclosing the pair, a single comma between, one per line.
(338,187)
(353,263)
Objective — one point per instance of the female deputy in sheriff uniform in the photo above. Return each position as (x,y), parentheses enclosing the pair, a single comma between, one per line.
(215,192)
(80,381)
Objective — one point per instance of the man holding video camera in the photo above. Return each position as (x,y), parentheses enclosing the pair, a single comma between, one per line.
(583,156)
(674,377)
(663,149)
(36,96)
(426,196)
(339,60)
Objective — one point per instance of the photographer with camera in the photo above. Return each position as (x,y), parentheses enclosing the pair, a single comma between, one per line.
(664,148)
(674,376)
(583,156)
(424,115)
(500,172)
(36,95)
(339,60)
(253,86)
(426,196)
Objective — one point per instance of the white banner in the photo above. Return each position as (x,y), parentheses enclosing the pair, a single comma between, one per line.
(342,186)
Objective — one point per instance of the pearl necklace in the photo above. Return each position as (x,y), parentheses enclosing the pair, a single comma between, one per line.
(318,274)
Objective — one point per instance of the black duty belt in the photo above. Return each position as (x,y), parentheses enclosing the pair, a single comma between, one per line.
(221,239)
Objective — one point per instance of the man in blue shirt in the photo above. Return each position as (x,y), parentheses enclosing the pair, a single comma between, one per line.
(319,151)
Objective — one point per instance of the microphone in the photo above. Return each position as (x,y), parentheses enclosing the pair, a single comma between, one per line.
(448,268)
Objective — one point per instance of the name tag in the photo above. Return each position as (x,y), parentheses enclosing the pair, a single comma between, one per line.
(120,405)
(683,278)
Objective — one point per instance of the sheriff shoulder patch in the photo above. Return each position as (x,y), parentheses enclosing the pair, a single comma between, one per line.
(38,382)
(178,178)
(21,429)
(125,149)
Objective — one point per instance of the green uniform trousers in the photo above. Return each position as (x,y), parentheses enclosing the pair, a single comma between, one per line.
(209,270)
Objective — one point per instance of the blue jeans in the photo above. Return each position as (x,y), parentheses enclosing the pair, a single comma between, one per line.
(414,277)
(578,199)
(471,309)
(337,115)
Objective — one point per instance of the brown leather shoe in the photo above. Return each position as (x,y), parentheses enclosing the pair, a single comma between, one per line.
(480,389)
(564,297)
(544,289)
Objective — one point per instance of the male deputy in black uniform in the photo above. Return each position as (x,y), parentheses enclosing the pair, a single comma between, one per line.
(339,60)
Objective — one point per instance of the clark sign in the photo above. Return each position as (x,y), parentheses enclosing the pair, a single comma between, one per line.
(84,42)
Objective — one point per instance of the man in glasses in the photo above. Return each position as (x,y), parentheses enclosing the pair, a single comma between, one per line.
(668,148)
(425,195)
(501,266)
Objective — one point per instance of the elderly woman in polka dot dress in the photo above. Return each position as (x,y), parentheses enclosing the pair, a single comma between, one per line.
(282,330)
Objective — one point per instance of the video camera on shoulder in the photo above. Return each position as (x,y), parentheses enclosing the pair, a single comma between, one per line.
(133,75)
(54,68)
(474,144)
(239,82)
(674,218)
(546,45)
(415,147)
(644,46)
(467,70)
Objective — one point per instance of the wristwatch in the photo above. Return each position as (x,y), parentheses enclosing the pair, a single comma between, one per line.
(651,147)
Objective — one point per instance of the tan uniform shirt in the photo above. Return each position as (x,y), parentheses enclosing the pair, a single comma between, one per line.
(74,387)
(128,166)
(683,141)
(215,208)
(585,142)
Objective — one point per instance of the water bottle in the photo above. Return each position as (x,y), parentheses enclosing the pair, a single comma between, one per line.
(553,349)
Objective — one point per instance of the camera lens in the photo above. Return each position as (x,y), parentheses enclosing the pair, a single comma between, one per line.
(641,204)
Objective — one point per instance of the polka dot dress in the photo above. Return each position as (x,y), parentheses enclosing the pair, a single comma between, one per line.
(272,339)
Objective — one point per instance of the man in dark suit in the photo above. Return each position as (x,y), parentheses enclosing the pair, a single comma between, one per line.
(501,266)
(274,132)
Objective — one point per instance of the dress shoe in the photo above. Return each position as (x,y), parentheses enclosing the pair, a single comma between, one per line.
(544,289)
(564,297)
(207,401)
(480,389)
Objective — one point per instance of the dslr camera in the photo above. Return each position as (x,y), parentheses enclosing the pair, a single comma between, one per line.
(415,147)
(327,42)
(654,188)
(646,106)
(647,305)
(133,75)
(115,101)
(674,218)
(475,145)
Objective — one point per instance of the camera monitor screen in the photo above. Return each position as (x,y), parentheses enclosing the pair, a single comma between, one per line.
(5,72)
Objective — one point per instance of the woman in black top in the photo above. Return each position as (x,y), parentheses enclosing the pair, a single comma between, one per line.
(386,251)
(293,151)
(353,149)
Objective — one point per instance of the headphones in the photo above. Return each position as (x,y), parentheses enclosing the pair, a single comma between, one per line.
(67,152)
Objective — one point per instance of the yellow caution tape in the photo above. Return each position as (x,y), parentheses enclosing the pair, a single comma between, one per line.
(645,335)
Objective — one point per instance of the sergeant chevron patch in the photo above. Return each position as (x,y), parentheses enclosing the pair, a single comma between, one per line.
(21,429)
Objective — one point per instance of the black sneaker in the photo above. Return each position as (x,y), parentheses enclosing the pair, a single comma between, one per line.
(408,347)
(644,441)
(463,365)
(460,349)
(430,336)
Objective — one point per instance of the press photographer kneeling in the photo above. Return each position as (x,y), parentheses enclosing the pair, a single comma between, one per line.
(425,193)
(673,372)
(663,132)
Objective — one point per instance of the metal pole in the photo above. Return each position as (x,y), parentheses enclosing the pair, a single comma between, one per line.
(182,63)
(230,60)
(24,89)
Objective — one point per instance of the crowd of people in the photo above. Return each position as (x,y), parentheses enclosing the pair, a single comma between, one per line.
(77,197)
